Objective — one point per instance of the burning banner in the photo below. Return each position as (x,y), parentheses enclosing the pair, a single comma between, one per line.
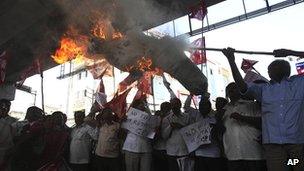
(117,37)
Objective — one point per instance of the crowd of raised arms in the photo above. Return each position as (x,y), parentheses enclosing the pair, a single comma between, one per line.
(258,127)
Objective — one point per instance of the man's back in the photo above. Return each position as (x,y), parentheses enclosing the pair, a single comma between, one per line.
(282,110)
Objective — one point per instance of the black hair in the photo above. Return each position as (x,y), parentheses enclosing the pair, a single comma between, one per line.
(136,103)
(284,66)
(6,102)
(81,113)
(230,85)
(177,102)
(33,113)
(165,106)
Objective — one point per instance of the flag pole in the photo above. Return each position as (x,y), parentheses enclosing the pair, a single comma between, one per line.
(42,91)
(202,46)
(153,94)
(236,51)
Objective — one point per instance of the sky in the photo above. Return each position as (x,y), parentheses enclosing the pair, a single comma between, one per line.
(280,29)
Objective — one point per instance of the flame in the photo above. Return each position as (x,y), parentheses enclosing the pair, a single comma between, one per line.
(99,30)
(68,50)
(104,30)
(117,35)
(145,64)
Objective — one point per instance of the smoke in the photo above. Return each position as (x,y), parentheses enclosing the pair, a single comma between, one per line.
(131,17)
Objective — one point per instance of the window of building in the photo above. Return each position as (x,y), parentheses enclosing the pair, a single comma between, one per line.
(211,72)
(79,76)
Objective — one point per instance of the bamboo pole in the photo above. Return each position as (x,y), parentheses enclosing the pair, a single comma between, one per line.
(42,92)
(236,51)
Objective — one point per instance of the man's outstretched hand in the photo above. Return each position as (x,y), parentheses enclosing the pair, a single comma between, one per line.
(229,53)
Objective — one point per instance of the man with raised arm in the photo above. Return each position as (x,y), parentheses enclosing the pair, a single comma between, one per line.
(282,110)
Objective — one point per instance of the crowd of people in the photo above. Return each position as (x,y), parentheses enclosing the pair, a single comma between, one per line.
(258,127)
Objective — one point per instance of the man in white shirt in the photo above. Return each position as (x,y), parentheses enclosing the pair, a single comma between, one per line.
(207,157)
(138,149)
(108,145)
(176,147)
(160,162)
(6,131)
(241,138)
(80,145)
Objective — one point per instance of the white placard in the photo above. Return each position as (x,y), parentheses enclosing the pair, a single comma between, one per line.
(196,134)
(140,123)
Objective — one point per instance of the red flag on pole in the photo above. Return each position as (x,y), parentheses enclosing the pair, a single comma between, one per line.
(198,56)
(35,68)
(131,78)
(3,64)
(100,96)
(119,104)
(247,65)
(199,12)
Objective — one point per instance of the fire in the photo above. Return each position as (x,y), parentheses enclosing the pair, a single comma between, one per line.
(99,30)
(103,29)
(145,64)
(68,50)
(117,35)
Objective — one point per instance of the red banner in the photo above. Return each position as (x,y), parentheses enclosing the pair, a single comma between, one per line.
(119,104)
(199,12)
(247,65)
(198,56)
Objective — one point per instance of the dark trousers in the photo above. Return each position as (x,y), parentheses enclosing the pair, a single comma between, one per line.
(160,161)
(79,167)
(277,156)
(172,163)
(107,164)
(210,164)
(246,165)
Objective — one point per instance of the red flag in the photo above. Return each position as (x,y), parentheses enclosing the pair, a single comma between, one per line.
(198,56)
(119,104)
(100,96)
(139,95)
(145,84)
(131,78)
(100,67)
(3,64)
(35,68)
(247,65)
(199,12)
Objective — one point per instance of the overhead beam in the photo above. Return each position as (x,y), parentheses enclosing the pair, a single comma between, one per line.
(246,16)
